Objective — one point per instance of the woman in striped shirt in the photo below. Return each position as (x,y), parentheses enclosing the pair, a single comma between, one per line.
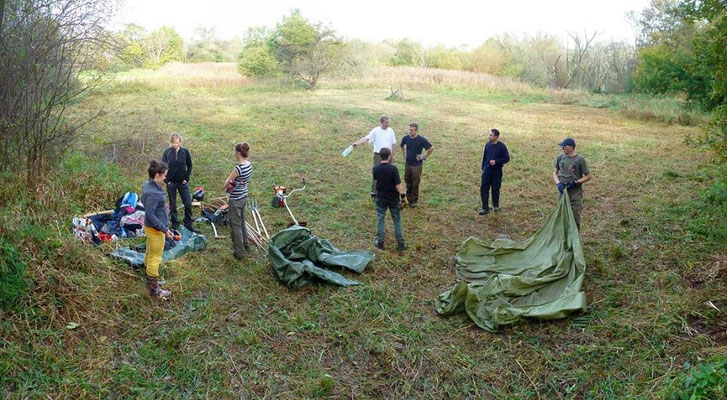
(236,187)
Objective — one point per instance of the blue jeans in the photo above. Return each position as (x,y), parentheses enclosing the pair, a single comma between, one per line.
(393,206)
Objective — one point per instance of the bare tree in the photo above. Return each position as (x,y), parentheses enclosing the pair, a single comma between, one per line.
(575,59)
(45,46)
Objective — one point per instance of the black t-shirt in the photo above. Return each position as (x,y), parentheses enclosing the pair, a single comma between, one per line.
(386,177)
(414,147)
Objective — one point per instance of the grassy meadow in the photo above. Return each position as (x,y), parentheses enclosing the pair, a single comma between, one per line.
(231,330)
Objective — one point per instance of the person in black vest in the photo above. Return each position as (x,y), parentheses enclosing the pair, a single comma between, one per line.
(493,158)
(180,169)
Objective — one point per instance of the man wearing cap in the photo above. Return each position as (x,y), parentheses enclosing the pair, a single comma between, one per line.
(493,158)
(380,137)
(571,171)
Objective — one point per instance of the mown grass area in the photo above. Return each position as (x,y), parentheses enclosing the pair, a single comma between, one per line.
(653,243)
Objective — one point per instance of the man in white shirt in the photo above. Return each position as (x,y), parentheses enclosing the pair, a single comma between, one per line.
(380,137)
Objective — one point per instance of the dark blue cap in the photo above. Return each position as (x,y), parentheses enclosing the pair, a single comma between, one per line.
(568,142)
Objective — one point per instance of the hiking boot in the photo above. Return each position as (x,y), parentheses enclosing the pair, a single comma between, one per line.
(379,245)
(413,205)
(155,290)
(401,246)
(484,211)
(496,208)
(193,229)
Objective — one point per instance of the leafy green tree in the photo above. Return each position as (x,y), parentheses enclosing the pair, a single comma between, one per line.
(661,69)
(307,51)
(408,53)
(711,55)
(205,46)
(162,46)
(442,57)
(302,50)
(257,57)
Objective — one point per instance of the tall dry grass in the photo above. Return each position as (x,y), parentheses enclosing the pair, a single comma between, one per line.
(192,75)
(427,78)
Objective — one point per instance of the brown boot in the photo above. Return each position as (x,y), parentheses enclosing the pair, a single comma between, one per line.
(154,289)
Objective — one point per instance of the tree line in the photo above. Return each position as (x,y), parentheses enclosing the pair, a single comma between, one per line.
(52,53)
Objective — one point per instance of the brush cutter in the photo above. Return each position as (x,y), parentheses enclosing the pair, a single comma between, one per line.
(280,197)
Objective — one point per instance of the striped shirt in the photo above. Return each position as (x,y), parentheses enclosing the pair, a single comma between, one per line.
(244,172)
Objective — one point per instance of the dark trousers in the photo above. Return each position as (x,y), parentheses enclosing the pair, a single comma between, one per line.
(490,180)
(412,176)
(377,161)
(183,189)
(393,206)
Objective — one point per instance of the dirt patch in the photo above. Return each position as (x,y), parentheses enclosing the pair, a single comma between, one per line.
(716,329)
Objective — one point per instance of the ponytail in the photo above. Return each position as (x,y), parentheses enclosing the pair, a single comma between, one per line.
(156,167)
(243,149)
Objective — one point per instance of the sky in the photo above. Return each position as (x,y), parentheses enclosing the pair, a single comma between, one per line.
(451,23)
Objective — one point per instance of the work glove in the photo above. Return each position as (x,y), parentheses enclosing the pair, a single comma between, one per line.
(561,187)
(404,202)
(572,185)
(421,157)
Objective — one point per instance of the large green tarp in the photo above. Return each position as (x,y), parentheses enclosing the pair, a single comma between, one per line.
(508,281)
(299,258)
(188,243)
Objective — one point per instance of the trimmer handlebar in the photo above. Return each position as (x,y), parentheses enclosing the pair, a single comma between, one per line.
(296,190)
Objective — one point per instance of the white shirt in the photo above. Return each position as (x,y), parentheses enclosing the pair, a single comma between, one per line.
(382,138)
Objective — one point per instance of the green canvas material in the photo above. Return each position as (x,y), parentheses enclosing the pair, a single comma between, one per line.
(506,282)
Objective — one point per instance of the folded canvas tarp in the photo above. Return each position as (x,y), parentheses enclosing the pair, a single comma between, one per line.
(508,281)
(299,258)
(188,243)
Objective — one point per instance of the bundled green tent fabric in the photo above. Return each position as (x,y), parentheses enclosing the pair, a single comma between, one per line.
(508,281)
(188,243)
(298,258)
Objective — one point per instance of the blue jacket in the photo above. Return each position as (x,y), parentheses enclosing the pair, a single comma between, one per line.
(155,211)
(497,152)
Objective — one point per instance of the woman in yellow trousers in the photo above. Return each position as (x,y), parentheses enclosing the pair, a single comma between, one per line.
(156,226)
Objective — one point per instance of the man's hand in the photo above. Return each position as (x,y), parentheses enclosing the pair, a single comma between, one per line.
(404,202)
(561,187)
(493,162)
(184,182)
(169,234)
(572,185)
(421,157)
(355,145)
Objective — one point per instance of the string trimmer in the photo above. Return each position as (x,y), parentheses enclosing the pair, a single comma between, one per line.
(280,197)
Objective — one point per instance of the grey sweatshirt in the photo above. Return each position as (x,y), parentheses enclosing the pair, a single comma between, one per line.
(152,196)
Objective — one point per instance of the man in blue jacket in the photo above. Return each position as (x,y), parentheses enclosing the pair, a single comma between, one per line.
(493,158)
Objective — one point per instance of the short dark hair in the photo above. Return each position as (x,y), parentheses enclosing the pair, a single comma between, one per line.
(385,152)
(243,149)
(156,167)
(495,131)
(414,125)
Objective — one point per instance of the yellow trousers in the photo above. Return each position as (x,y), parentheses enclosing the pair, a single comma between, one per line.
(154,250)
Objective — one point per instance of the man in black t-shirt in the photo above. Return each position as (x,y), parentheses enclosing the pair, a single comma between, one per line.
(412,146)
(388,193)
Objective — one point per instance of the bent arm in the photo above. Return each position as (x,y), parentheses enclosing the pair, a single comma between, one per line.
(585,178)
(231,178)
